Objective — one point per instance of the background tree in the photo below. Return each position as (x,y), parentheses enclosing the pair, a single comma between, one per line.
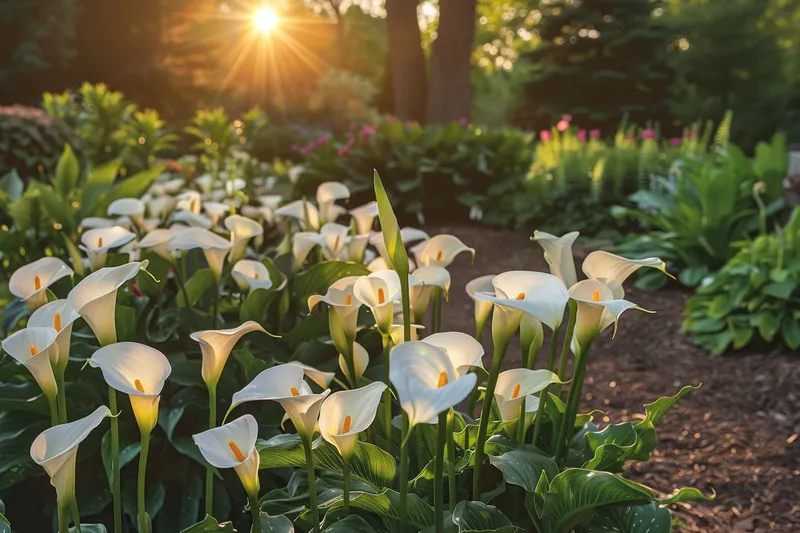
(407,69)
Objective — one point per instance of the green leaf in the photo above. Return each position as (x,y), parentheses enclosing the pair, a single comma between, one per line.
(133,187)
(782,290)
(198,284)
(74,255)
(126,454)
(5,525)
(523,468)
(369,463)
(791,333)
(395,248)
(575,494)
(612,447)
(275,524)
(12,185)
(100,180)
(349,524)
(478,516)
(692,276)
(210,525)
(13,313)
(67,172)
(768,325)
(386,505)
(654,412)
(321,276)
(686,494)
(648,518)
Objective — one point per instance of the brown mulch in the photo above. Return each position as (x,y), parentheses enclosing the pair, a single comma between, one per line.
(736,436)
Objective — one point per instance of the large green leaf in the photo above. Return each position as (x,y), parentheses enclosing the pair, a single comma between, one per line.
(480,517)
(5,525)
(349,524)
(611,446)
(575,494)
(386,505)
(649,518)
(369,463)
(686,494)
(133,187)
(67,172)
(198,284)
(654,412)
(275,524)
(321,276)
(15,311)
(523,467)
(100,181)
(210,525)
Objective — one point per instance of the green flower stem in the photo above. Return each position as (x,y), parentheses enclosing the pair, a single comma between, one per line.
(215,308)
(573,401)
(140,483)
(403,480)
(63,517)
(500,347)
(519,434)
(212,423)
(76,515)
(406,297)
(543,396)
(565,348)
(436,322)
(346,475)
(438,473)
(451,457)
(255,512)
(387,394)
(180,275)
(51,404)
(62,397)
(312,485)
(115,480)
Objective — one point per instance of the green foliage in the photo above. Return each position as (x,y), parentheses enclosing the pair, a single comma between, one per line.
(343,97)
(756,294)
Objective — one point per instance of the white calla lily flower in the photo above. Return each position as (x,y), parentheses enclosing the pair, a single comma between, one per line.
(360,361)
(441,250)
(430,277)
(597,309)
(36,349)
(462,350)
(232,186)
(204,182)
(269,203)
(174,185)
(214,247)
(215,211)
(379,291)
(327,195)
(60,316)
(407,235)
(133,208)
(304,212)
(191,201)
(138,371)
(158,241)
(483,308)
(216,346)
(302,244)
(356,248)
(30,282)
(344,305)
(558,254)
(98,242)
(378,264)
(95,298)
(612,270)
(251,275)
(242,230)
(161,206)
(514,385)
(194,220)
(364,216)
(335,238)
(295,172)
(345,414)
(233,445)
(426,381)
(96,222)
(56,450)
(321,378)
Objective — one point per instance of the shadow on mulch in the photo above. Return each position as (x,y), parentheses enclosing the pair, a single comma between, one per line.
(737,435)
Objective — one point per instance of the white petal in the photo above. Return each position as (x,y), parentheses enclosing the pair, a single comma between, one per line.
(198,238)
(612,270)
(216,346)
(104,239)
(462,350)
(360,405)
(270,384)
(22,283)
(126,207)
(130,366)
(55,442)
(558,254)
(330,191)
(441,250)
(540,295)
(323,379)
(215,447)
(360,361)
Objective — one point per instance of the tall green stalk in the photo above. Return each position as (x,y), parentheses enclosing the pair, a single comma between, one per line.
(63,517)
(543,396)
(53,408)
(438,473)
(255,512)
(141,483)
(436,321)
(573,401)
(212,423)
(452,495)
(62,397)
(115,479)
(312,484)
(403,479)
(565,348)
(346,476)
(387,394)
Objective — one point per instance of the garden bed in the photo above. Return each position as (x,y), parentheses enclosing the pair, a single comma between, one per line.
(737,435)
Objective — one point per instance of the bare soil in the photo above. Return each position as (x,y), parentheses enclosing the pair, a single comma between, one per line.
(737,436)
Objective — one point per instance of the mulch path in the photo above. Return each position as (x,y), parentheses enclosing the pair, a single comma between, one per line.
(737,435)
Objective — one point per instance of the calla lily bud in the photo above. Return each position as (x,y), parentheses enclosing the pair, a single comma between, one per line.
(558,254)
(233,445)
(30,283)
(345,414)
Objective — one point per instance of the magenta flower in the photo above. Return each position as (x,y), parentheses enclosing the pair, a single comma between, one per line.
(344,150)
(582,136)
(649,133)
(391,118)
(568,118)
(322,140)
(562,125)
(464,121)
(594,134)
(631,137)
(545,135)
(675,141)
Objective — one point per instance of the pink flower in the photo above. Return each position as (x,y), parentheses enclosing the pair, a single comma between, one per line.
(676,141)
(351,128)
(594,134)
(649,133)
(391,118)
(568,118)
(582,136)
(631,137)
(464,121)
(305,151)
(295,148)
(344,150)
(322,140)
(545,135)
(562,125)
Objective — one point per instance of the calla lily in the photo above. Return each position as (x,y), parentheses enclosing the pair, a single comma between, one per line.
(398,332)
(56,450)
(269,203)
(426,381)
(327,194)
(215,211)
(133,208)
(191,201)
(612,270)
(345,414)
(356,248)
(431,277)
(284,384)
(379,291)
(232,186)
(558,254)
(149,224)
(60,316)
(158,241)
(95,298)
(462,350)
(360,361)
(30,283)
(482,308)
(97,243)
(138,371)
(194,220)
(323,379)
(214,247)
(161,206)
(597,309)
(364,216)
(514,385)
(335,238)
(37,350)
(343,317)
(242,230)
(304,212)
(378,264)
(302,244)
(251,275)
(204,182)
(96,222)
(441,250)
(295,172)
(407,235)
(216,346)
(233,445)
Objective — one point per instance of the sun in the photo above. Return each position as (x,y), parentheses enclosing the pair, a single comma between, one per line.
(265,19)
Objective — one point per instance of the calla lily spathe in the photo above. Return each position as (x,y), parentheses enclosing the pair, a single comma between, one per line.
(483,309)
(430,278)
(214,247)
(158,241)
(597,309)
(327,194)
(612,270)
(514,385)
(364,216)
(302,244)
(37,350)
(60,316)
(344,306)
(133,208)
(215,211)
(335,238)
(379,291)
(161,206)
(345,414)
(407,235)
(56,450)
(30,283)
(558,254)
(426,381)
(360,361)
(441,250)
(191,201)
(95,298)
(138,371)
(194,220)
(242,230)
(304,212)
(233,445)
(98,242)
(216,346)
(398,332)
(96,222)
(321,378)
(462,350)
(251,275)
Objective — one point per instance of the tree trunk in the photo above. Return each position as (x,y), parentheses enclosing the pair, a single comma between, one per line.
(406,61)
(449,89)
